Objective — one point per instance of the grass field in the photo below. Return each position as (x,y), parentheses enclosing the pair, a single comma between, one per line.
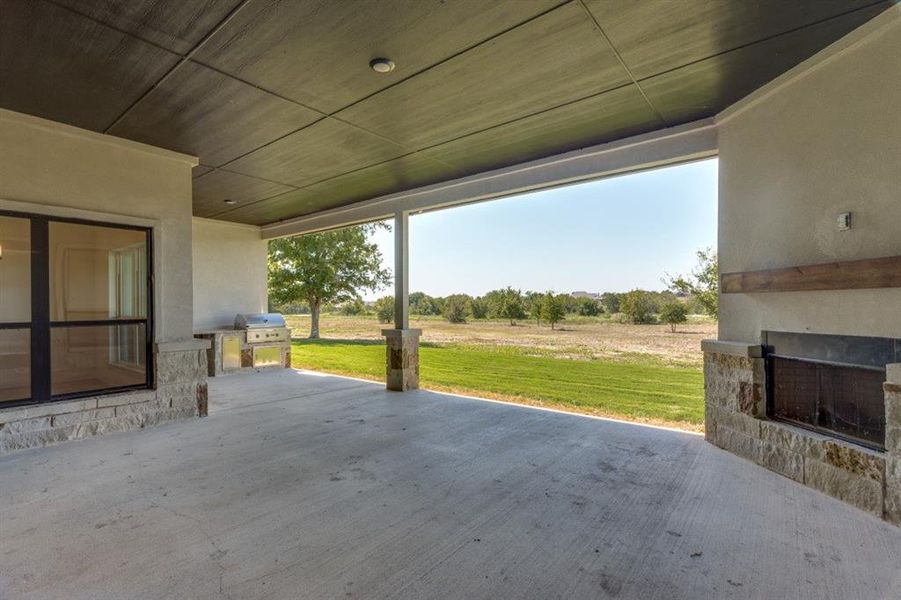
(641,373)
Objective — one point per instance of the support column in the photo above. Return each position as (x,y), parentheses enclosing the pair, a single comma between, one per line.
(893,443)
(402,371)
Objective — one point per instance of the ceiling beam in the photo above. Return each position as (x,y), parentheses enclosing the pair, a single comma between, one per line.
(685,143)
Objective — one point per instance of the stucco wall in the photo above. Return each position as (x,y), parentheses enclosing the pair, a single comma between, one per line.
(229,272)
(55,169)
(822,143)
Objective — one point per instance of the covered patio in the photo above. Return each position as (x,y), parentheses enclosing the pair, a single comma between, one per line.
(303,485)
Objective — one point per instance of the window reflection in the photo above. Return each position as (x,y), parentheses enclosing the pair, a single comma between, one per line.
(97,272)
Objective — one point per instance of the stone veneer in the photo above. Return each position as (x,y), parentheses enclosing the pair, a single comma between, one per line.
(735,420)
(402,371)
(180,392)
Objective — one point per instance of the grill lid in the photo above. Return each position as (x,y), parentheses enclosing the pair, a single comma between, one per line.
(259,320)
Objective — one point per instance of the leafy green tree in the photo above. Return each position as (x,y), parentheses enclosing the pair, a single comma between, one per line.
(479,308)
(424,305)
(505,304)
(353,307)
(586,307)
(325,268)
(674,313)
(610,302)
(384,309)
(457,307)
(553,308)
(703,283)
(638,306)
(531,302)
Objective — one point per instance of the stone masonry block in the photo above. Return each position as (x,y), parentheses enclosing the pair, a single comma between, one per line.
(183,366)
(858,490)
(127,398)
(26,425)
(806,443)
(710,423)
(44,410)
(781,460)
(736,442)
(855,460)
(166,415)
(33,439)
(142,408)
(85,415)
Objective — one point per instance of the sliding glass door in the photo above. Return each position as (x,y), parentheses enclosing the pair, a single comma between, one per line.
(15,309)
(87,288)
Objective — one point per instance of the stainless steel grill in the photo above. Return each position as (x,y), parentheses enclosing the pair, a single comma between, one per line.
(263,328)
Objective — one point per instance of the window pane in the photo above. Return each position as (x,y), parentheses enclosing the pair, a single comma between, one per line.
(15,364)
(15,270)
(84,359)
(97,272)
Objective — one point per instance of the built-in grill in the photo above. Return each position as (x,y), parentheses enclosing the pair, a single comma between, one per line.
(257,340)
(267,337)
(263,328)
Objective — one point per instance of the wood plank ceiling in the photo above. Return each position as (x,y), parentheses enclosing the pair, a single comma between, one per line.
(278,100)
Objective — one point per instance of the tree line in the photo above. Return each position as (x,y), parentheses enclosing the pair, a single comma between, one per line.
(330,270)
(549,308)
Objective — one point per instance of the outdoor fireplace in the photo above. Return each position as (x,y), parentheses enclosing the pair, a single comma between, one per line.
(830,384)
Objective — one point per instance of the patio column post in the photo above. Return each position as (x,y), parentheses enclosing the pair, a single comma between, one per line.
(402,369)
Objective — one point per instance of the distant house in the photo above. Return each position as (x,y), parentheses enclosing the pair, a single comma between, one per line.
(591,295)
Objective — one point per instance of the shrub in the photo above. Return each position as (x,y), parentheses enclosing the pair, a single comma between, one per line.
(353,307)
(638,306)
(674,313)
(588,307)
(384,309)
(457,308)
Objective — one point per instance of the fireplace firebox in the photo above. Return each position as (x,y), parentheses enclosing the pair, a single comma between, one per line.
(831,384)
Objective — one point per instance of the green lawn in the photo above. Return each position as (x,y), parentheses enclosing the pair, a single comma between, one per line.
(630,390)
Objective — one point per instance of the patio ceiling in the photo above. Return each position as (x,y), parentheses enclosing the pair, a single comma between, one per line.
(278,100)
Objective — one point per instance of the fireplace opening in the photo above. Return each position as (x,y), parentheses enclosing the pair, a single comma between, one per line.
(830,384)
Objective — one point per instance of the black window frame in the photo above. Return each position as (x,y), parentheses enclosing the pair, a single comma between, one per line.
(40,325)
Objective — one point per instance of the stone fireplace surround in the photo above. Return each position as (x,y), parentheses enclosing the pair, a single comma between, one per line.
(179,392)
(736,420)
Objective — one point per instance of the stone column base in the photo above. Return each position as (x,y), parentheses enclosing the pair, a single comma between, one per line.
(402,371)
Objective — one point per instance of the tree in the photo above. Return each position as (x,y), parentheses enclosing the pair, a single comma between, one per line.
(553,308)
(479,308)
(637,306)
(674,313)
(703,283)
(588,307)
(423,304)
(505,304)
(384,309)
(532,305)
(325,268)
(457,307)
(353,307)
(610,302)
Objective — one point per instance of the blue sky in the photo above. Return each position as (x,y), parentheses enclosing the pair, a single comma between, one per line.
(611,235)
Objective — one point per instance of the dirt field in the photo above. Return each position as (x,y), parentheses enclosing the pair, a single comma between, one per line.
(579,338)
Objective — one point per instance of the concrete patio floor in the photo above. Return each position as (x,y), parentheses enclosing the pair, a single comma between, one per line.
(307,486)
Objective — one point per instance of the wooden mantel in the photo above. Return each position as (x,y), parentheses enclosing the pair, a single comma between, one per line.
(847,275)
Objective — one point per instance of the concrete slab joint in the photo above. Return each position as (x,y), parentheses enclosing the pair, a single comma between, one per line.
(736,420)
(402,359)
(180,392)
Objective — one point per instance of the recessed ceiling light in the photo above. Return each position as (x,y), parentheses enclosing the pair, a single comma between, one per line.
(381,65)
(230,202)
